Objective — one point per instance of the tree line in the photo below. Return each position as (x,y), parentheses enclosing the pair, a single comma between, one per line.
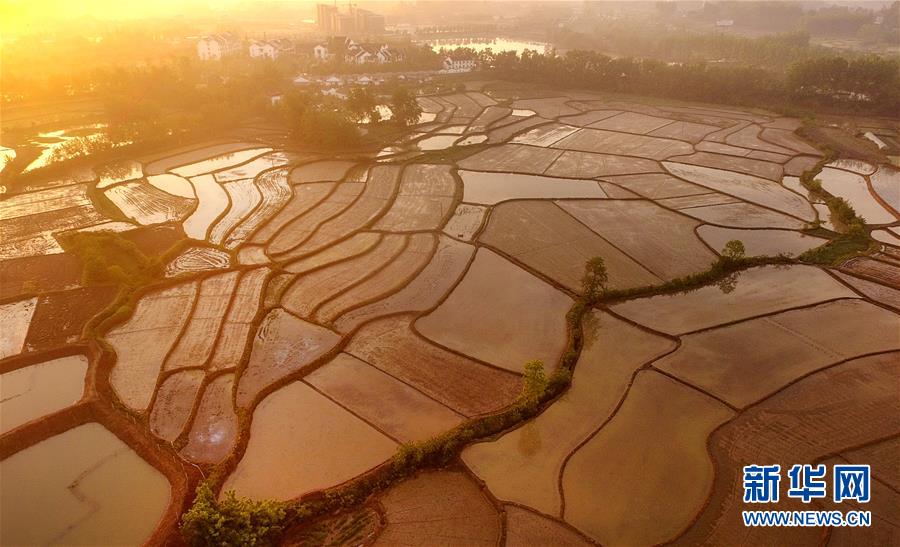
(865,85)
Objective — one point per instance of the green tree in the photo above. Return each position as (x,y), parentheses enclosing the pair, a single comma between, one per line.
(405,107)
(231,521)
(362,104)
(325,128)
(534,381)
(733,250)
(593,283)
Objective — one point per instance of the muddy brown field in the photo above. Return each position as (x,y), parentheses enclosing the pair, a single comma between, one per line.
(312,314)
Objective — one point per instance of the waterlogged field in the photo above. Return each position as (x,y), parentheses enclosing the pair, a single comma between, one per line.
(300,317)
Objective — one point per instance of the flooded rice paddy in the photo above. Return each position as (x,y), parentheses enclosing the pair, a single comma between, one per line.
(321,311)
(80,488)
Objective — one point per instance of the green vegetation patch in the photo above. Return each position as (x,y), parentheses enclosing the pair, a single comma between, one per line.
(109,258)
(231,520)
(840,249)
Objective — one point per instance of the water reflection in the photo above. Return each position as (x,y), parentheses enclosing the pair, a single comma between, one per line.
(530,440)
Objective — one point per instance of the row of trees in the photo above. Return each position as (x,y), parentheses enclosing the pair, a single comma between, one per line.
(864,85)
(659,41)
(326,122)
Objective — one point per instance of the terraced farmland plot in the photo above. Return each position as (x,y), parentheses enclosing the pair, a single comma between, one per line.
(492,188)
(146,204)
(585,165)
(395,408)
(423,199)
(548,108)
(212,202)
(33,234)
(545,135)
(854,189)
(214,430)
(465,222)
(754,292)
(197,339)
(16,318)
(166,162)
(42,201)
(743,215)
(330,309)
(173,184)
(32,392)
(60,317)
(623,478)
(384,282)
(504,129)
(321,171)
(511,158)
(525,528)
(430,284)
(302,227)
(656,186)
(253,168)
(543,236)
(353,246)
(238,324)
(760,242)
(610,142)
(372,202)
(243,196)
(269,467)
(309,291)
(524,466)
(465,385)
(756,190)
(174,403)
(142,343)
(661,241)
(514,310)
(98,466)
(216,163)
(283,345)
(886,183)
(852,404)
(442,508)
(197,259)
(631,122)
(302,199)
(747,166)
(731,363)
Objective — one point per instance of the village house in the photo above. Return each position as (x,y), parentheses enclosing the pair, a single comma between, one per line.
(459,62)
(216,46)
(354,52)
(270,49)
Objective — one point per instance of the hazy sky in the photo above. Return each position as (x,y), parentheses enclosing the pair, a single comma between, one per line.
(25,16)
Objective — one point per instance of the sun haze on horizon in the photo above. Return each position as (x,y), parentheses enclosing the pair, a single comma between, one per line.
(30,16)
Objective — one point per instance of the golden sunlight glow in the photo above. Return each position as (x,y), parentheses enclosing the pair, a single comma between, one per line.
(28,16)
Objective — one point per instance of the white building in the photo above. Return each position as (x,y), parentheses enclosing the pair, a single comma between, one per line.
(458,62)
(320,52)
(216,46)
(362,54)
(271,49)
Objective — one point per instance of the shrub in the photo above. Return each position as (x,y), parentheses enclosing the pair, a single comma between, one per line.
(232,520)
(733,250)
(534,381)
(107,257)
(593,283)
